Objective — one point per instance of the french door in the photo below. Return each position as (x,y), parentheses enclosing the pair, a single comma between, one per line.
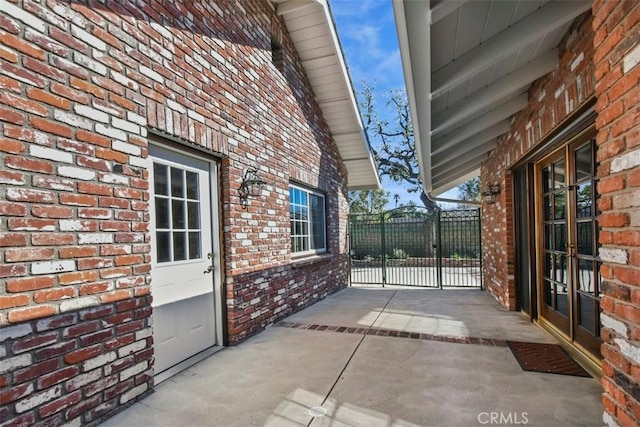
(569,280)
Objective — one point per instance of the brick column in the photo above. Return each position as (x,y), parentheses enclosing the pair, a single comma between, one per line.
(617,61)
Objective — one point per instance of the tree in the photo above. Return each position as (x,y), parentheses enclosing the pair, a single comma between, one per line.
(393,144)
(368,201)
(470,190)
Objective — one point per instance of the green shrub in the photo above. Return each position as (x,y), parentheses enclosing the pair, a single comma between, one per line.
(399,254)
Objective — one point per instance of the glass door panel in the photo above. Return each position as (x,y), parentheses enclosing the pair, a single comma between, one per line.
(177,213)
(555,275)
(585,247)
(568,260)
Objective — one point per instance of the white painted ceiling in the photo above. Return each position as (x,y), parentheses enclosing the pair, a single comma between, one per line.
(312,30)
(467,67)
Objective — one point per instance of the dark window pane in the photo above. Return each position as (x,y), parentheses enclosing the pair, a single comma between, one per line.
(558,174)
(560,207)
(560,243)
(588,313)
(192,186)
(163,246)
(597,278)
(586,278)
(560,269)
(548,263)
(194,245)
(562,300)
(317,215)
(548,208)
(177,214)
(548,293)
(162,212)
(318,241)
(546,179)
(160,179)
(585,239)
(317,203)
(548,236)
(193,215)
(584,200)
(177,182)
(583,162)
(179,246)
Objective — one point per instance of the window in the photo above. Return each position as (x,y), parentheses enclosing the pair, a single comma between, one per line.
(177,205)
(307,215)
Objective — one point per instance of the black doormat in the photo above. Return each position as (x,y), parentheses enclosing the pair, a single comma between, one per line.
(549,358)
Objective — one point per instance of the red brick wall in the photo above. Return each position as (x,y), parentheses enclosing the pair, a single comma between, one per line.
(79,89)
(617,72)
(76,366)
(552,99)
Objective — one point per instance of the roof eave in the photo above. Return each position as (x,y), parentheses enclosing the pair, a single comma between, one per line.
(420,110)
(362,169)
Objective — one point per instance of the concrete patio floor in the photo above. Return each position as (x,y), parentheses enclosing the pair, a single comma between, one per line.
(284,375)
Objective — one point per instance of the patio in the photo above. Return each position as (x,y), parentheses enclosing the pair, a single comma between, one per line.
(323,358)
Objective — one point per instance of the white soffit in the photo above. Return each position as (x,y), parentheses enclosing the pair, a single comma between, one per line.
(312,30)
(467,66)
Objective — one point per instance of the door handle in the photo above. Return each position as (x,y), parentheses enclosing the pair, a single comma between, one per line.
(209,268)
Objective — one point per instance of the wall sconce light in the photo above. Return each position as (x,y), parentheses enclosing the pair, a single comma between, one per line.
(251,186)
(489,195)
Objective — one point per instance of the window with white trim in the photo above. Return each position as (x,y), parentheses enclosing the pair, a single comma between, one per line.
(308,225)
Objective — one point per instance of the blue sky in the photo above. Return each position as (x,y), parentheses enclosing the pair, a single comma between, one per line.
(367,32)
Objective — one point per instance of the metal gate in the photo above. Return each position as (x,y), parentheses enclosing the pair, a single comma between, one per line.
(413,246)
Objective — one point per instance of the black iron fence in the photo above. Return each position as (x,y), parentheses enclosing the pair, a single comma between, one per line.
(416,247)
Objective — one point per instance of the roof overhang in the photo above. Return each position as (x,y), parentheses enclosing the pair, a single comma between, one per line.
(468,66)
(312,30)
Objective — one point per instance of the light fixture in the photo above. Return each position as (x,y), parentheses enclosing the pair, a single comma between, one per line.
(251,186)
(489,195)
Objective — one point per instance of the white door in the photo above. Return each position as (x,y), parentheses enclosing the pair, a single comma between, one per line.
(182,252)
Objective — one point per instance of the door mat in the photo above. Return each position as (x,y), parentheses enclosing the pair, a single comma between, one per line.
(549,358)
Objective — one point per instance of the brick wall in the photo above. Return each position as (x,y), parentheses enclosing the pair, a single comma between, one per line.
(617,72)
(80,87)
(552,99)
(75,366)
